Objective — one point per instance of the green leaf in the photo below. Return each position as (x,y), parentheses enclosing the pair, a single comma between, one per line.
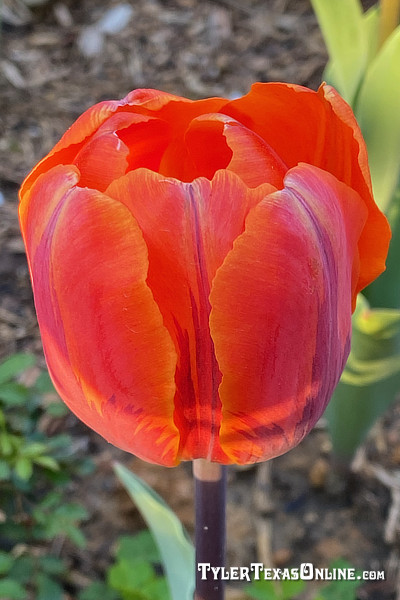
(378,114)
(291,588)
(15,365)
(23,568)
(13,394)
(98,590)
(342,26)
(76,536)
(47,461)
(52,565)
(72,511)
(5,470)
(23,468)
(139,546)
(371,379)
(6,562)
(12,590)
(371,28)
(340,590)
(43,384)
(126,576)
(176,550)
(157,589)
(263,590)
(57,409)
(6,444)
(33,449)
(47,588)
(384,292)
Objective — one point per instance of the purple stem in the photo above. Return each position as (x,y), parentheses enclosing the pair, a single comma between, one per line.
(210,501)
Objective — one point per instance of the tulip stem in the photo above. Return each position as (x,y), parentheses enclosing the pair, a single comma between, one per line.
(210,500)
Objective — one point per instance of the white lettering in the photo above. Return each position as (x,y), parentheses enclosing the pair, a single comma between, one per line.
(257,568)
(203,567)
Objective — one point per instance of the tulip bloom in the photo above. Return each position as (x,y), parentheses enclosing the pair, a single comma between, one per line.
(195,265)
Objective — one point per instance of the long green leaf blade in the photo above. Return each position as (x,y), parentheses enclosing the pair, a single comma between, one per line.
(176,550)
(344,32)
(371,379)
(378,114)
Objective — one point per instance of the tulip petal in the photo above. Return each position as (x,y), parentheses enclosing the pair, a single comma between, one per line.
(126,141)
(109,354)
(375,237)
(189,229)
(100,161)
(72,141)
(318,128)
(36,211)
(231,145)
(280,316)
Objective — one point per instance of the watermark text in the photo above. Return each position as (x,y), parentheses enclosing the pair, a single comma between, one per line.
(305,572)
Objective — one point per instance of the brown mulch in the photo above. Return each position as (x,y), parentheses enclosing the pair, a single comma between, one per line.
(54,64)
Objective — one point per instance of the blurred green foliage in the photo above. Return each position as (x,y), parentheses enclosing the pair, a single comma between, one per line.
(135,575)
(35,470)
(176,549)
(364,59)
(290,589)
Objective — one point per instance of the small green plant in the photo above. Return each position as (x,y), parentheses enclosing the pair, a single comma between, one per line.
(34,513)
(135,575)
(275,590)
(289,589)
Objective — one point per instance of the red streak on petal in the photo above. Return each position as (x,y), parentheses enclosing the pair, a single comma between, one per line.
(189,229)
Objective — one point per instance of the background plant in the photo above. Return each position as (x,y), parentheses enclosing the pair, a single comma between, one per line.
(135,574)
(364,51)
(35,469)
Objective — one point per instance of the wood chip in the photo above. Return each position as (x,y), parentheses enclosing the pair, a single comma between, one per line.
(13,74)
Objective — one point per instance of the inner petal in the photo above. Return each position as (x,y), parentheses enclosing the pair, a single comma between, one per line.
(216,141)
(101,160)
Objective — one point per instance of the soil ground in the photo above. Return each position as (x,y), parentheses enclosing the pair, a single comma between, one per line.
(299,508)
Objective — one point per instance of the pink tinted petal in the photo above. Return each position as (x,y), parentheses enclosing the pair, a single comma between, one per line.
(39,203)
(109,354)
(280,318)
(189,229)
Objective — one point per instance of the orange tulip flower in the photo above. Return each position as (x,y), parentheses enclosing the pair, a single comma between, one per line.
(195,265)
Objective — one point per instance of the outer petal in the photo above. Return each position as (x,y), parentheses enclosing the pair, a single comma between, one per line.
(189,229)
(72,141)
(318,128)
(109,354)
(375,237)
(280,316)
